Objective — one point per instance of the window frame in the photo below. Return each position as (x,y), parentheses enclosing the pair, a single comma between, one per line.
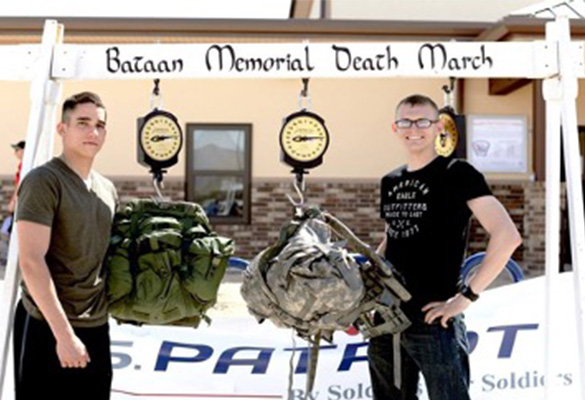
(245,174)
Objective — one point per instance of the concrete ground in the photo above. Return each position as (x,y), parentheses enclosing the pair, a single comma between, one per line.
(229,301)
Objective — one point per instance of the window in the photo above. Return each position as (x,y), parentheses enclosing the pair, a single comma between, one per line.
(219,170)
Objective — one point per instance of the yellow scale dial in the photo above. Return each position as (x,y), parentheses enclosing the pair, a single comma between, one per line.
(446,142)
(304,138)
(160,138)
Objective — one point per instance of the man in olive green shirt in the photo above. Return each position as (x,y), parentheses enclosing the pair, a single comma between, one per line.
(64,216)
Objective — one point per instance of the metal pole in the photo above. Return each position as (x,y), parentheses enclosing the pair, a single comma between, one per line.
(570,134)
(42,91)
(552,92)
(53,92)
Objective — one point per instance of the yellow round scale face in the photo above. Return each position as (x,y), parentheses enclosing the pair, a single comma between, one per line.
(304,138)
(446,142)
(160,138)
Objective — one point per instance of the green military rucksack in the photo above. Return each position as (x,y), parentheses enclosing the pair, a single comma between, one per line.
(164,263)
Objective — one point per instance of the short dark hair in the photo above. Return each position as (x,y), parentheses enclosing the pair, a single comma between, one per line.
(77,99)
(417,100)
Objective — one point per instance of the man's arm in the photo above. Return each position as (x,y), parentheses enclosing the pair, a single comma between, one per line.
(504,239)
(12,202)
(33,243)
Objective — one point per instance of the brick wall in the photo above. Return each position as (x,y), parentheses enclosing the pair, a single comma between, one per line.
(513,197)
(6,190)
(354,202)
(534,228)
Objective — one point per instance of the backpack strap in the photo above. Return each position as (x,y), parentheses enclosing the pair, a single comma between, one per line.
(313,359)
(386,274)
(396,360)
(452,162)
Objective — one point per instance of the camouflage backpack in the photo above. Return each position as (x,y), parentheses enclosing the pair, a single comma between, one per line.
(304,281)
(308,282)
(164,263)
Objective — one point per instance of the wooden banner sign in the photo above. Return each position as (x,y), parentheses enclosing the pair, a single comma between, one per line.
(536,59)
(17,63)
(559,61)
(294,60)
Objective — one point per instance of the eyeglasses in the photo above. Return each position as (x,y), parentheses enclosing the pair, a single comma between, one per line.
(422,123)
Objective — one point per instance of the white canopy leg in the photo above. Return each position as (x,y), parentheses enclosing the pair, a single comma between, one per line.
(574,185)
(39,147)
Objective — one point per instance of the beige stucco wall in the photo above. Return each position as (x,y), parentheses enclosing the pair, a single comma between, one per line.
(478,101)
(14,110)
(358,113)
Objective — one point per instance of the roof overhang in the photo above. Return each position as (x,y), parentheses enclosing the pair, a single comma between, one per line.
(523,28)
(528,28)
(298,28)
(301,8)
(100,30)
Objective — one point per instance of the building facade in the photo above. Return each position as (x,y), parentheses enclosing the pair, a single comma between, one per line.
(230,161)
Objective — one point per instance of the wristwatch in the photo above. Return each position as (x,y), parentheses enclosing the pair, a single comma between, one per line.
(468,293)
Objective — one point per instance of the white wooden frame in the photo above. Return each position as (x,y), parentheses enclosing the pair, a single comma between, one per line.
(557,60)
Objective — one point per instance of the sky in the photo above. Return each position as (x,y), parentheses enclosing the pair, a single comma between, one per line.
(273,9)
(421,10)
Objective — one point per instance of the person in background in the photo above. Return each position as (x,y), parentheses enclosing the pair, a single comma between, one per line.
(18,152)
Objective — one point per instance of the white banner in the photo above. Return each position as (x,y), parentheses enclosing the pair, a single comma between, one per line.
(235,358)
(17,63)
(535,59)
(288,60)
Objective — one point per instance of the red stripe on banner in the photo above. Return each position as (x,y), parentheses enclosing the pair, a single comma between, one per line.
(201,395)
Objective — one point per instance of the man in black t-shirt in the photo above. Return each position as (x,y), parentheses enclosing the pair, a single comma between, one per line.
(427,205)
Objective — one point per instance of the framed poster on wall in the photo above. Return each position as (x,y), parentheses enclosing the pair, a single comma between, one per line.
(498,143)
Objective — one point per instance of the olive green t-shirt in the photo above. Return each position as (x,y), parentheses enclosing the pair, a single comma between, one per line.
(80,216)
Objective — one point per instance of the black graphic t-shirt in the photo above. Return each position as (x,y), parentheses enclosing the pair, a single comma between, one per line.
(427,215)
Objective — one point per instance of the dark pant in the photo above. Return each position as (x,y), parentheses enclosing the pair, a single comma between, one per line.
(440,354)
(38,373)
